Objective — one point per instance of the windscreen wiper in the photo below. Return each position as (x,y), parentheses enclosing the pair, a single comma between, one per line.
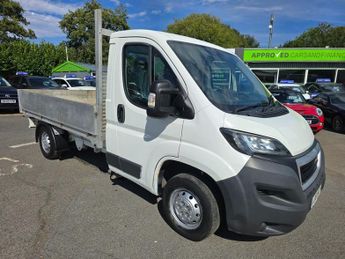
(249,107)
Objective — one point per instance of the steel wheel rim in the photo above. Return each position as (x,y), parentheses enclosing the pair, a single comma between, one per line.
(45,140)
(185,207)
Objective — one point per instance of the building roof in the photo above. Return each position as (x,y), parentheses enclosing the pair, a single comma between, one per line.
(70,66)
(92,67)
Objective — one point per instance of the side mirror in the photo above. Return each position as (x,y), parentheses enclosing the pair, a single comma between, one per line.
(64,86)
(161,98)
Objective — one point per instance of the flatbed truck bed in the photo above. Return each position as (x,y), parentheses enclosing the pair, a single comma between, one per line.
(73,111)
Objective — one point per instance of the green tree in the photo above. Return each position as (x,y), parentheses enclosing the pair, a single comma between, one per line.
(250,42)
(79,28)
(12,22)
(321,36)
(36,59)
(211,29)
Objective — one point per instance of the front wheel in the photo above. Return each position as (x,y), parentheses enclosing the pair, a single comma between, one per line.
(338,124)
(190,207)
(47,143)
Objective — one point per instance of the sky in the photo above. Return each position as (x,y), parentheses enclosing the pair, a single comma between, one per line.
(292,17)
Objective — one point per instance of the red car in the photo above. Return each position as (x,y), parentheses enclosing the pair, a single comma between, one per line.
(295,101)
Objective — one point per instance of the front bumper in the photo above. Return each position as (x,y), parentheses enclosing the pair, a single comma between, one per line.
(272,196)
(8,103)
(316,128)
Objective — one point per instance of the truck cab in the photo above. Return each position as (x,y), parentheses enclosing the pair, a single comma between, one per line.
(183,108)
(189,122)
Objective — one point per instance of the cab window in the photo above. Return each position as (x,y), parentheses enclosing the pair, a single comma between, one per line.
(143,65)
(162,70)
(136,69)
(16,81)
(59,82)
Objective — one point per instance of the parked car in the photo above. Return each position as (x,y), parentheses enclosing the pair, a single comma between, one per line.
(24,81)
(292,86)
(333,106)
(321,86)
(91,80)
(295,101)
(8,96)
(73,83)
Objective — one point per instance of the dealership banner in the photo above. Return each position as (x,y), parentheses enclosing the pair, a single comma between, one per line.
(294,55)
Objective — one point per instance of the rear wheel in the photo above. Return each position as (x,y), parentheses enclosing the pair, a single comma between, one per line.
(338,124)
(190,207)
(47,143)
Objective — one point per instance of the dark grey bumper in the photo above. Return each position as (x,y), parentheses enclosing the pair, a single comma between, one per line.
(268,197)
(5,106)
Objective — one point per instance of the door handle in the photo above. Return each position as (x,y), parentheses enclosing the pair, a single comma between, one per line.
(121,113)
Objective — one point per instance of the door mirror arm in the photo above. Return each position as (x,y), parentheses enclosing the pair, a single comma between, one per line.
(161,99)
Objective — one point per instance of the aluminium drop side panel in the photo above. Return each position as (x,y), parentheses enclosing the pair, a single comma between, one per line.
(78,117)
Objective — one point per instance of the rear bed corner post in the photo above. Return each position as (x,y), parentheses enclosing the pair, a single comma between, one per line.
(99,76)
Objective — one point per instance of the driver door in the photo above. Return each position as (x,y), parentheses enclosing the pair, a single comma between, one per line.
(142,140)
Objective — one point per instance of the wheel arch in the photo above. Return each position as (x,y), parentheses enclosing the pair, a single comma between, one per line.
(60,137)
(170,167)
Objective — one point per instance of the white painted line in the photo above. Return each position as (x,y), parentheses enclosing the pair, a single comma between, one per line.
(14,168)
(9,159)
(23,145)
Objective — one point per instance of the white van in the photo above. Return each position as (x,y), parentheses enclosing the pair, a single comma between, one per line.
(189,122)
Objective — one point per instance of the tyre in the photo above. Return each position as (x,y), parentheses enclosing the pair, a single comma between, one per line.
(47,143)
(338,124)
(190,207)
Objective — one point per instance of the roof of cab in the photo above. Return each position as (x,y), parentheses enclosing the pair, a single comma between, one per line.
(159,36)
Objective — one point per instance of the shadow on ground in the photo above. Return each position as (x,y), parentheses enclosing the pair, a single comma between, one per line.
(88,156)
(99,161)
(9,112)
(330,129)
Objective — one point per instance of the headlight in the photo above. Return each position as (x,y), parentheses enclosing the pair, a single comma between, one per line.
(319,111)
(250,144)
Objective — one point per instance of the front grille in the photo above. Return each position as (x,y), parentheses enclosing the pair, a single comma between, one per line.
(312,118)
(309,166)
(308,170)
(8,95)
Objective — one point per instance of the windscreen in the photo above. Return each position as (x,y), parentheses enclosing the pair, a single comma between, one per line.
(225,80)
(333,87)
(289,97)
(42,82)
(298,89)
(75,83)
(3,82)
